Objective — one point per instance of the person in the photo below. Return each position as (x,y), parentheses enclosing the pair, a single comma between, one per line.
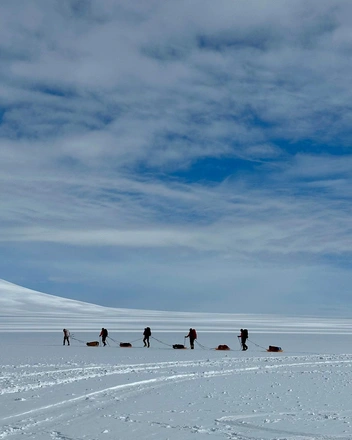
(103,334)
(147,334)
(66,336)
(244,337)
(192,335)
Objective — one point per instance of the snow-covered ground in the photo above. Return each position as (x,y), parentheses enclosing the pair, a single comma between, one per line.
(51,391)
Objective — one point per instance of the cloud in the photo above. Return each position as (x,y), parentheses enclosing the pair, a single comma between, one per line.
(176,131)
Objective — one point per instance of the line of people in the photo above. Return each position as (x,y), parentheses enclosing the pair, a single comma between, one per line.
(147,333)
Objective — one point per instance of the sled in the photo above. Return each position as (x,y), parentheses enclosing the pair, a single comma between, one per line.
(178,346)
(125,344)
(273,348)
(223,347)
(93,344)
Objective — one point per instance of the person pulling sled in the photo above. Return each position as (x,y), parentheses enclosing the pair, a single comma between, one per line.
(66,336)
(244,337)
(103,334)
(192,335)
(147,334)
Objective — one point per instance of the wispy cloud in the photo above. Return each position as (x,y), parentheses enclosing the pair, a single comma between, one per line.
(188,138)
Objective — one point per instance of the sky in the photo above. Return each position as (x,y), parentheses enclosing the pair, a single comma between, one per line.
(183,156)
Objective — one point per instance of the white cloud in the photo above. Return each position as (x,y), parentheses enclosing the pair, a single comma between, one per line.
(102,107)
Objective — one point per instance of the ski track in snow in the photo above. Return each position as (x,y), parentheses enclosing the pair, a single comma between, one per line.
(50,392)
(55,420)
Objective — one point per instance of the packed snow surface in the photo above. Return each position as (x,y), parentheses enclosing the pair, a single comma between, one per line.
(56,392)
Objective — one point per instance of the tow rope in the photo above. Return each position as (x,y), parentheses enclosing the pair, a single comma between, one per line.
(161,342)
(257,345)
(75,339)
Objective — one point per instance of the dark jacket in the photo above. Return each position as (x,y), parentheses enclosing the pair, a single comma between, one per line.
(192,334)
(104,333)
(244,334)
(147,332)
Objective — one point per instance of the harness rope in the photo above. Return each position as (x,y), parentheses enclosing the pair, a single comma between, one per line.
(257,344)
(109,337)
(116,342)
(161,342)
(75,339)
(203,347)
(135,340)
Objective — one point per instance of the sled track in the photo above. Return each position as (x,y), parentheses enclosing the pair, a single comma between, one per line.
(45,420)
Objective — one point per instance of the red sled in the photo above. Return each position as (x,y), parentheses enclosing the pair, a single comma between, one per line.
(274,348)
(223,347)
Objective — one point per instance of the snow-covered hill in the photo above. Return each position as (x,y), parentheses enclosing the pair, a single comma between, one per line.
(23,309)
(20,300)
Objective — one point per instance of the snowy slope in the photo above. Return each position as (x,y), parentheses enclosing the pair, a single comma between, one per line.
(20,300)
(56,392)
(23,309)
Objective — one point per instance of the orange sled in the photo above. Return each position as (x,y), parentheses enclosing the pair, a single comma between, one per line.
(93,344)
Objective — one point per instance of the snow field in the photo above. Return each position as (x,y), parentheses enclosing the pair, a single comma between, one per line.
(53,392)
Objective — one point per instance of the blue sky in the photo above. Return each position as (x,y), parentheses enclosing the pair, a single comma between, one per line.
(178,155)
